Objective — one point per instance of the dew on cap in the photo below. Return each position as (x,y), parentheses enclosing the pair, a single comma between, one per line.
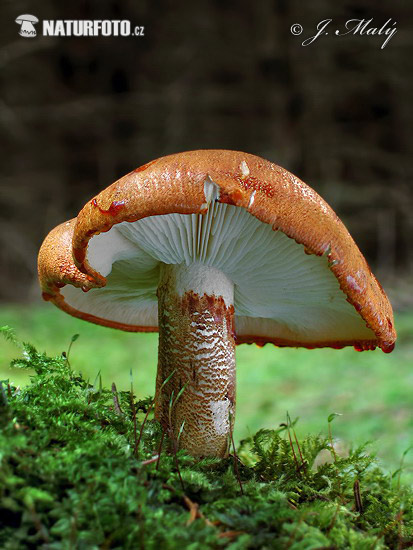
(113,209)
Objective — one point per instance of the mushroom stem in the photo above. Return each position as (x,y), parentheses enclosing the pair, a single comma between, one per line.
(195,383)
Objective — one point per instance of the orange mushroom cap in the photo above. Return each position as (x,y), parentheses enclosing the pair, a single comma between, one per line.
(306,251)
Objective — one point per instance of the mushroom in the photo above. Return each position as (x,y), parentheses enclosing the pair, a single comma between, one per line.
(26,23)
(214,248)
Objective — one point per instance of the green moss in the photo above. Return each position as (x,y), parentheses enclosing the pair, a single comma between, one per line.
(70,479)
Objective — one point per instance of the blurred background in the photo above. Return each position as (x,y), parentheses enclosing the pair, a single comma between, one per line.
(78,113)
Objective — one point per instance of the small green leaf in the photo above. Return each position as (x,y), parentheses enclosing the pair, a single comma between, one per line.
(171,399)
(167,380)
(30,495)
(181,391)
(97,384)
(181,429)
(9,334)
(407,451)
(332,416)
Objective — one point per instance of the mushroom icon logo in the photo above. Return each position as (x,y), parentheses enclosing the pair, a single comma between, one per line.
(27,23)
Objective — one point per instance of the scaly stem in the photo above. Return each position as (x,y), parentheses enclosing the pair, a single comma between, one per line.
(196,344)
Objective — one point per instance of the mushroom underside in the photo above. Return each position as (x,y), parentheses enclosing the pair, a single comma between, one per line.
(280,292)
(217,276)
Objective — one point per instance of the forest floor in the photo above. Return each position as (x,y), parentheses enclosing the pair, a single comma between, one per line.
(86,467)
(371,390)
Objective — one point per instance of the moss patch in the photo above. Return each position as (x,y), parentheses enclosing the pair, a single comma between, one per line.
(75,474)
